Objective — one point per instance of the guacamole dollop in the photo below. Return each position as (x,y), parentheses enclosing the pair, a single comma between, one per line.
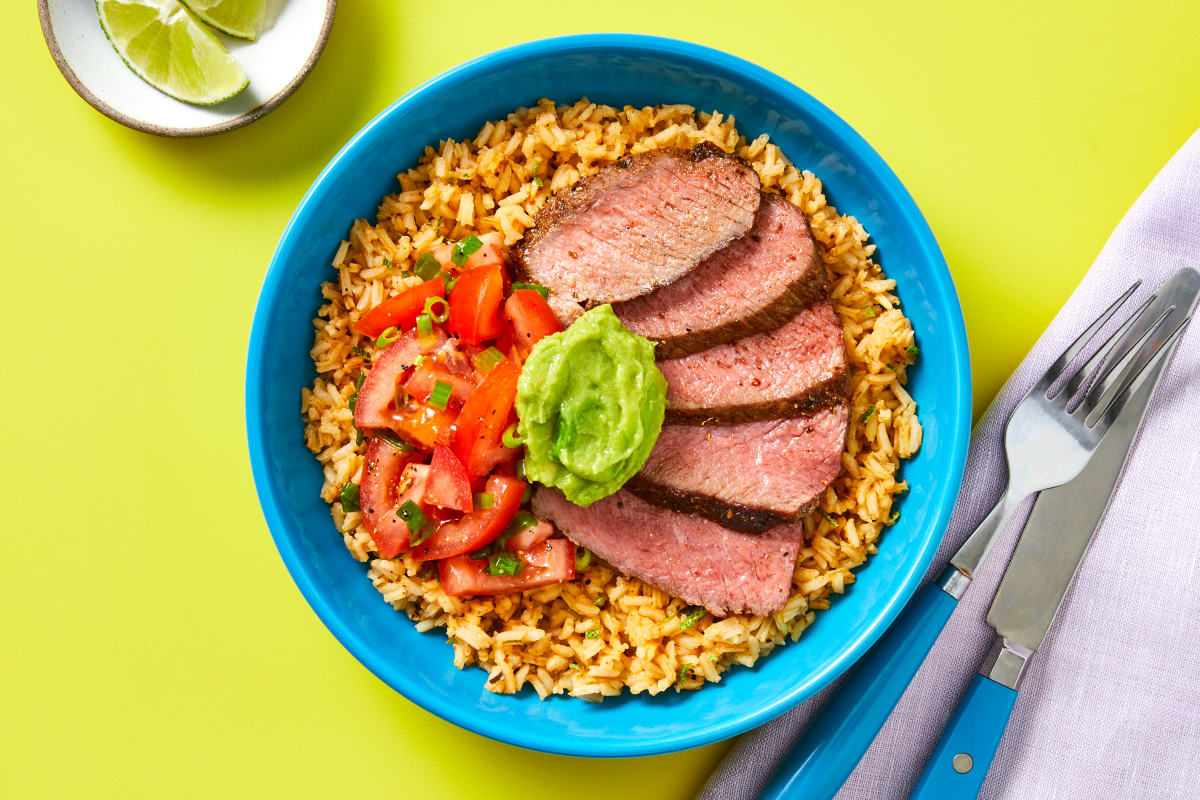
(590,404)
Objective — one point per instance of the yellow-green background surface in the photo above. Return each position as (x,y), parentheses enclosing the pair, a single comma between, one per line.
(152,643)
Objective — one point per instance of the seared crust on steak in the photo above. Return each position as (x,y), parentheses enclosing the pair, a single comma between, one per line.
(825,394)
(747,476)
(635,225)
(755,284)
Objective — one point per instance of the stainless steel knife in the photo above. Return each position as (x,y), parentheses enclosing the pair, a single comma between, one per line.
(1048,554)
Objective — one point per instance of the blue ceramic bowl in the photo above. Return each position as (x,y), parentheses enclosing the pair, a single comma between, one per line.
(612,69)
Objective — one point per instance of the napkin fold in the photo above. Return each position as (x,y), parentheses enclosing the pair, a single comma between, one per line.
(1111,705)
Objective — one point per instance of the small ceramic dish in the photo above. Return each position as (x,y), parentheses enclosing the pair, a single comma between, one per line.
(277,63)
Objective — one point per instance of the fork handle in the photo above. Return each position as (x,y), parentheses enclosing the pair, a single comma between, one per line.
(825,755)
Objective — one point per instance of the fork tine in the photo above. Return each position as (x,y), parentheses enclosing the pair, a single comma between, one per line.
(1117,346)
(1054,372)
(1114,376)
(1107,412)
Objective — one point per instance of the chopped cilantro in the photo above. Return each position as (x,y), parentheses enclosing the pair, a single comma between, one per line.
(870,412)
(592,635)
(912,349)
(895,516)
(683,674)
(869,311)
(691,619)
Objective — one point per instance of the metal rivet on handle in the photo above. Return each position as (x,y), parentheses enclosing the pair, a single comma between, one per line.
(962,763)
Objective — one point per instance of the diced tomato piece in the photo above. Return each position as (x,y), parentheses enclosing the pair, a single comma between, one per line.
(552,561)
(423,425)
(379,388)
(475,304)
(485,415)
(400,311)
(383,466)
(531,319)
(532,536)
(449,486)
(420,384)
(480,526)
(491,252)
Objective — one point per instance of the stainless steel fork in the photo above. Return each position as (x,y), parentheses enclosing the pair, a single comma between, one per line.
(1061,420)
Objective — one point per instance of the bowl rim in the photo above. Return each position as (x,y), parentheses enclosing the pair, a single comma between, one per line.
(958,419)
(241,120)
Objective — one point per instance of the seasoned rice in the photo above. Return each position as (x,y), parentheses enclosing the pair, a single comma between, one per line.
(605,632)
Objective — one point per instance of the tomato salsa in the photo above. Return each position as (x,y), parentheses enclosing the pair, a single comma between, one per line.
(443,476)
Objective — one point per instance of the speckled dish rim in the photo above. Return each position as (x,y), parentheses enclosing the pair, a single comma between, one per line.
(239,121)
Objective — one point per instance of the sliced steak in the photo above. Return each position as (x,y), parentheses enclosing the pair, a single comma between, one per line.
(749,476)
(636,225)
(703,563)
(756,284)
(788,372)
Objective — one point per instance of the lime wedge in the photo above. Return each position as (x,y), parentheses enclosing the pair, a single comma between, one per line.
(245,19)
(168,48)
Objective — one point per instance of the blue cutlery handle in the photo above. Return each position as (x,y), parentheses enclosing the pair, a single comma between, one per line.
(959,763)
(835,741)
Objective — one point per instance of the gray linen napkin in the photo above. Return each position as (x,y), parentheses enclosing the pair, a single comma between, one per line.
(1111,706)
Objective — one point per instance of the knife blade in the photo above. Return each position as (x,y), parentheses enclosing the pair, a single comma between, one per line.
(1064,519)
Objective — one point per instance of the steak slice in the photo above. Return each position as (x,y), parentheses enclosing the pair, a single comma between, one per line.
(703,563)
(790,371)
(635,225)
(756,284)
(749,476)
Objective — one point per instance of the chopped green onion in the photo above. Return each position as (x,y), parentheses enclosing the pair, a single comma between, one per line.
(510,438)
(437,316)
(387,262)
(712,659)
(600,601)
(592,635)
(440,395)
(450,281)
(683,674)
(832,521)
(536,168)
(691,619)
(895,516)
(582,559)
(358,437)
(388,336)
(419,360)
(358,351)
(889,367)
(483,500)
(537,181)
(481,553)
(520,522)
(525,495)
(394,440)
(505,563)
(912,349)
(869,311)
(464,249)
(537,287)
(519,468)
(870,412)
(424,326)
(485,361)
(362,376)
(427,267)
(576,667)
(416,521)
(350,497)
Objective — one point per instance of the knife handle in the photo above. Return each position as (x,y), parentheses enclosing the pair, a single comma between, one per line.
(835,741)
(960,762)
